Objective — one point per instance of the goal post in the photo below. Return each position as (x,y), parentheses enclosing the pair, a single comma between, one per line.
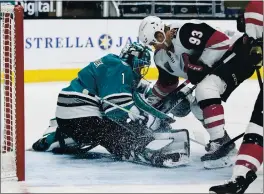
(12,92)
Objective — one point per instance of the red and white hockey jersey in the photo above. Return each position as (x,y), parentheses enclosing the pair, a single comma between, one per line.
(194,38)
(254,19)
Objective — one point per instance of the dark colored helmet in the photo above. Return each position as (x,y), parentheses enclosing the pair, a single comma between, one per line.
(138,57)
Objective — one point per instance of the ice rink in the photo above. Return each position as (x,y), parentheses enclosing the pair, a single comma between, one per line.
(46,172)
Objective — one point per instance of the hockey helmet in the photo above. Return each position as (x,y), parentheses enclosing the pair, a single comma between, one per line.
(148,29)
(138,57)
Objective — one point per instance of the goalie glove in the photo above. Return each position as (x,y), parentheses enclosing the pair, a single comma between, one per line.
(143,87)
(153,99)
(135,114)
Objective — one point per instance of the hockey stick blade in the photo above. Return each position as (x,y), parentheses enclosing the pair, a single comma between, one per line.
(224,146)
(121,108)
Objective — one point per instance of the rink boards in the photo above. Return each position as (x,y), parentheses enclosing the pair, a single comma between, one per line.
(55,50)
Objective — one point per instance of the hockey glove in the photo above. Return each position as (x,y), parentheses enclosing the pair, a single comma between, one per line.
(256,52)
(183,108)
(195,71)
(153,99)
(143,87)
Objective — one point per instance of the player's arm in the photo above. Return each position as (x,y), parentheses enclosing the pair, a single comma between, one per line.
(254,19)
(253,16)
(254,30)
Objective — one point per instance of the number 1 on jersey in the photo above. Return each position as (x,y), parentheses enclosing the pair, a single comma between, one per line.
(123,78)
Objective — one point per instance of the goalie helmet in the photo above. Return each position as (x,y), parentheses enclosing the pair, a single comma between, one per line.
(138,57)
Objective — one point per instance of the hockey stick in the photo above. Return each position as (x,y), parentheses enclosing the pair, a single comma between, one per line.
(259,78)
(121,108)
(162,106)
(225,145)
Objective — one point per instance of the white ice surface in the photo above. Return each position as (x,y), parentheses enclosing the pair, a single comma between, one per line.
(53,173)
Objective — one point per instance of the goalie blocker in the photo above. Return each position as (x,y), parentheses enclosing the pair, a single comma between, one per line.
(126,141)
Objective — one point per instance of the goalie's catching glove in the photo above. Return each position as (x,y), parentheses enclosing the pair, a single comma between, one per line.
(135,114)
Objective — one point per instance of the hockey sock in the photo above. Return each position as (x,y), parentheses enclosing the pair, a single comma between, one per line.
(214,121)
(250,155)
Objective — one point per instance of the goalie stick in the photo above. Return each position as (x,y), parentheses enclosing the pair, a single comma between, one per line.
(259,78)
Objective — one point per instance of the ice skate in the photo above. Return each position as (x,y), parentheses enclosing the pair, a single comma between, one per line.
(236,186)
(216,158)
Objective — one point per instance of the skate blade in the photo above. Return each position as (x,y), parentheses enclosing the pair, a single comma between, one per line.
(169,163)
(223,162)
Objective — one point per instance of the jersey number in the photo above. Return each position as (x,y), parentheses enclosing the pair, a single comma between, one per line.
(195,38)
(123,78)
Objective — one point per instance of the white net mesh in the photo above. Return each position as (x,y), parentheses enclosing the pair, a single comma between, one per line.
(8,94)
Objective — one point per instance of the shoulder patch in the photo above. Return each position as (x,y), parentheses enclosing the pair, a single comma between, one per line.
(98,62)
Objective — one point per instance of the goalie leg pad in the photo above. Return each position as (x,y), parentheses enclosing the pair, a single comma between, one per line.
(175,153)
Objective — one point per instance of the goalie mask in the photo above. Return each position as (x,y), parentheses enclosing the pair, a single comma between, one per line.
(138,57)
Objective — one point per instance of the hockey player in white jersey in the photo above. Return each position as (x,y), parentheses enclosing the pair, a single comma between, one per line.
(207,58)
(100,107)
(250,155)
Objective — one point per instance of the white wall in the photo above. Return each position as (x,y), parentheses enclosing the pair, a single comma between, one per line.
(53,44)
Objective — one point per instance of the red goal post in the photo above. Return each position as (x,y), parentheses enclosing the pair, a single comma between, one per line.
(12,92)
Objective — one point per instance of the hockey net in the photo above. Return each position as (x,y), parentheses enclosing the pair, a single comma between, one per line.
(12,93)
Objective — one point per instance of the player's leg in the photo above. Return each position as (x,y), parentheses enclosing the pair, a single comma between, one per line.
(85,131)
(235,67)
(208,94)
(48,140)
(250,155)
(70,133)
(119,137)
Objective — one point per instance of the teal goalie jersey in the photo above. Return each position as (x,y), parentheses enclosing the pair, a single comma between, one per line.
(108,78)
